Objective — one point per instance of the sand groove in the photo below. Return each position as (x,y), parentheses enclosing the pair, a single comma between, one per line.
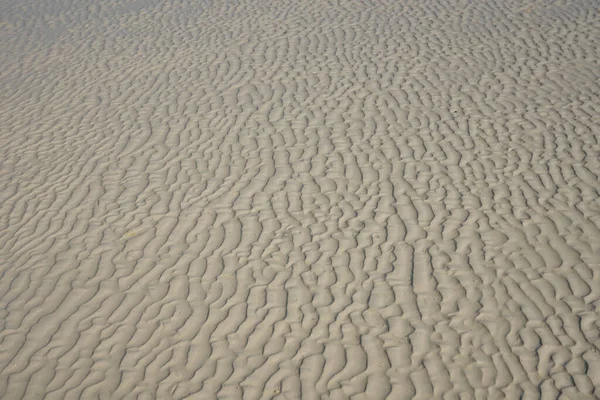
(316,200)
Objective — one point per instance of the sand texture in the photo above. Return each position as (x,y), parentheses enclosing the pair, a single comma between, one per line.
(299,199)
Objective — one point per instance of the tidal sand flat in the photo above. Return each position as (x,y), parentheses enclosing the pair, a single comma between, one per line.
(300,199)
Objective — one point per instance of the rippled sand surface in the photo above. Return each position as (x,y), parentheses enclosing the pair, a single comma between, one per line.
(299,199)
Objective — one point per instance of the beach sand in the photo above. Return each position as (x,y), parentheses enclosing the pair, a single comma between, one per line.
(299,199)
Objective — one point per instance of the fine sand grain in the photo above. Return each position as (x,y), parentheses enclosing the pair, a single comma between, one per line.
(299,199)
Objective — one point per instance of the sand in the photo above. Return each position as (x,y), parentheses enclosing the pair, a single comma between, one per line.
(299,199)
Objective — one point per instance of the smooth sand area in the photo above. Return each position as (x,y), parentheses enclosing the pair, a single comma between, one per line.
(299,199)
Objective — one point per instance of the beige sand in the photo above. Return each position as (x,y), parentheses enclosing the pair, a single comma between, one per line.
(299,199)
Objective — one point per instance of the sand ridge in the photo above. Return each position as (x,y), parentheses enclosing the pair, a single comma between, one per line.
(299,199)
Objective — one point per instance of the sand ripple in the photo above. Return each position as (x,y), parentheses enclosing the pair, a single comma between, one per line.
(299,199)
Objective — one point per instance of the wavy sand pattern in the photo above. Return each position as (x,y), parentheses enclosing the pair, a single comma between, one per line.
(299,199)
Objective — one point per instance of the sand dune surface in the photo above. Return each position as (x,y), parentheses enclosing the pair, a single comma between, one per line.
(299,199)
